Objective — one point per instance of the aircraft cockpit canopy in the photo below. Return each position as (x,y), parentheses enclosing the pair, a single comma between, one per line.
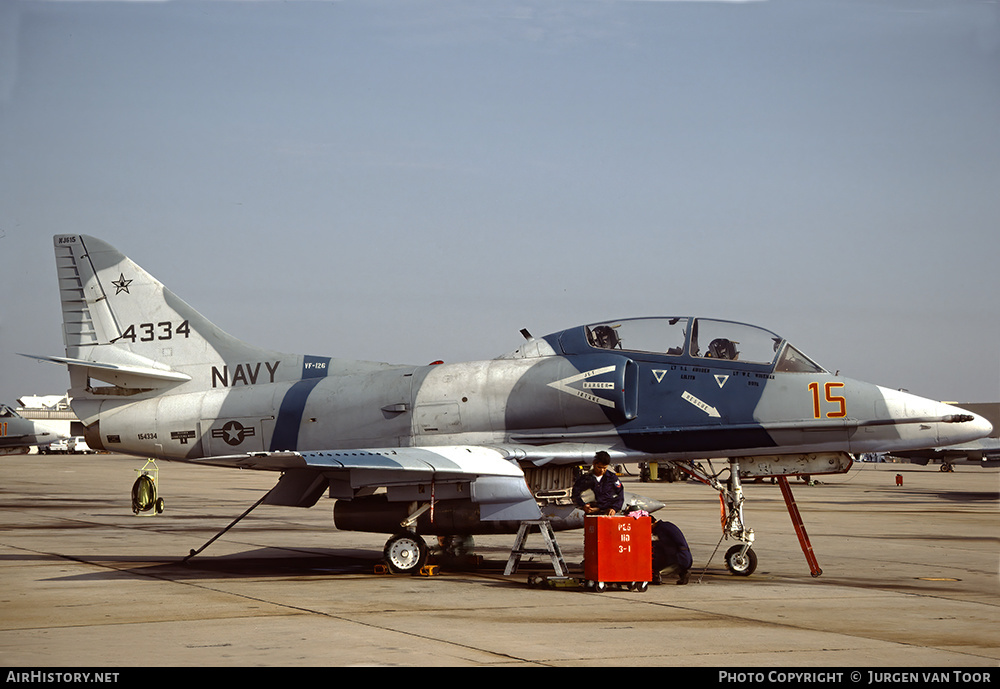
(701,338)
(7,412)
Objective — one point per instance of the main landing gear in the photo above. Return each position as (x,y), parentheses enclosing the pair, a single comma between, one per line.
(405,553)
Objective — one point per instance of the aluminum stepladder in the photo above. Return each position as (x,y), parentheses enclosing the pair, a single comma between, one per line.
(551,547)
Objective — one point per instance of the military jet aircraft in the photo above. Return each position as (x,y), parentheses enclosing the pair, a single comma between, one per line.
(18,434)
(465,448)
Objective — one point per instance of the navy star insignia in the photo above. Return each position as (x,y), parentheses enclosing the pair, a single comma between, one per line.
(234,432)
(121,285)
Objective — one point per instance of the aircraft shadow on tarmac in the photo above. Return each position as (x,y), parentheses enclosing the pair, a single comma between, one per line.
(258,563)
(968,496)
(306,563)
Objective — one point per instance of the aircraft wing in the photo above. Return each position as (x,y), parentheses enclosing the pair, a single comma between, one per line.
(483,475)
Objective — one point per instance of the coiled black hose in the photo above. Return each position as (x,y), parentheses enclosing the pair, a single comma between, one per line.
(143,494)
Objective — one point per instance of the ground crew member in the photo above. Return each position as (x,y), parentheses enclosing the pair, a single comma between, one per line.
(605,494)
(670,552)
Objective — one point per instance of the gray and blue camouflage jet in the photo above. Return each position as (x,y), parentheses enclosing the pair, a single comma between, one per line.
(18,434)
(466,448)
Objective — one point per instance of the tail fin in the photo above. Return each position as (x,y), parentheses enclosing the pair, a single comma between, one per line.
(122,327)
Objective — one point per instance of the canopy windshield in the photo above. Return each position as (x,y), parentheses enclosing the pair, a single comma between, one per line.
(7,412)
(655,335)
(701,338)
(733,341)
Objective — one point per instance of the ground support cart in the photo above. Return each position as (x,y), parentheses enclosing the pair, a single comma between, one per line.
(144,491)
(617,551)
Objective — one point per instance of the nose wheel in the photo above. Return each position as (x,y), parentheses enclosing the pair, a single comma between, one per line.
(405,553)
(741,561)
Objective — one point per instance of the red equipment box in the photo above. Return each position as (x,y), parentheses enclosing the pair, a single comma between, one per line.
(617,549)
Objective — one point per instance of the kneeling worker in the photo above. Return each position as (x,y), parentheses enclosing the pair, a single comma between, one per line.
(605,494)
(670,552)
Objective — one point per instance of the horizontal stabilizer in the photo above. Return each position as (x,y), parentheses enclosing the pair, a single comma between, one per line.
(123,376)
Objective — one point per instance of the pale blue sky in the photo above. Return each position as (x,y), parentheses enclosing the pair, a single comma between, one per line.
(412,181)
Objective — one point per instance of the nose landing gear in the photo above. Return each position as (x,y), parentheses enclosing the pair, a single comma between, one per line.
(740,559)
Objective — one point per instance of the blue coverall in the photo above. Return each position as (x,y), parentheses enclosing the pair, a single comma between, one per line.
(608,492)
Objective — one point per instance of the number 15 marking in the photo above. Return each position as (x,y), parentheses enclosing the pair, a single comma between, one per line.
(841,402)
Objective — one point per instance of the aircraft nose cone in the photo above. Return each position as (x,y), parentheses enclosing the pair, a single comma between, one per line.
(965,426)
(45,429)
(44,433)
(920,423)
(980,425)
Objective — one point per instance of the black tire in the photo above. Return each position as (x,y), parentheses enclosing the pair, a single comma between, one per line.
(405,553)
(741,566)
